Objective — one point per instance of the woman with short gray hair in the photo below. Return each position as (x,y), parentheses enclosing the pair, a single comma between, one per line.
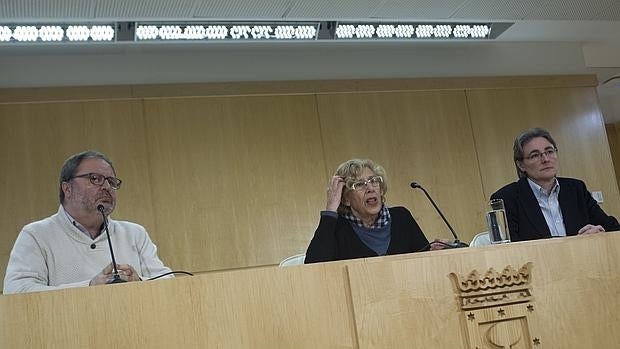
(357,223)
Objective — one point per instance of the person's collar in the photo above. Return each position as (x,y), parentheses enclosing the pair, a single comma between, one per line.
(540,190)
(382,220)
(77,224)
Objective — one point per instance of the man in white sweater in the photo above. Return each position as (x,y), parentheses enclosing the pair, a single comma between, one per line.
(70,248)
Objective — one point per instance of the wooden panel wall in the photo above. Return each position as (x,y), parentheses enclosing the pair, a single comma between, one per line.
(236,181)
(417,136)
(613,134)
(224,181)
(573,117)
(36,138)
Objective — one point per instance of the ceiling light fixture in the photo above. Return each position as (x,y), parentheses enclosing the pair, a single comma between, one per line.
(419,31)
(44,33)
(238,31)
(139,32)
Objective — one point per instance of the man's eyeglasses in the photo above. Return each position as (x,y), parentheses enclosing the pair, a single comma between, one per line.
(373,181)
(550,153)
(98,179)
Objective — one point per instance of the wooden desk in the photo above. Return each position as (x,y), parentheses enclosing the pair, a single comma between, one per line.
(404,301)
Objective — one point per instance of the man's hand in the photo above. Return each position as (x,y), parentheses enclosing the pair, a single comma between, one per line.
(125,272)
(440,244)
(590,229)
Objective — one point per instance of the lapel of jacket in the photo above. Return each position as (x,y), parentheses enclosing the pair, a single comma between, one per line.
(532,209)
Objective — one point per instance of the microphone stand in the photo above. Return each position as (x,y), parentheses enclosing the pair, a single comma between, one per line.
(457,243)
(116,279)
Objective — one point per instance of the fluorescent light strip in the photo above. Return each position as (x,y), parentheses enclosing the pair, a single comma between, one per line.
(226,31)
(443,31)
(56,33)
(244,31)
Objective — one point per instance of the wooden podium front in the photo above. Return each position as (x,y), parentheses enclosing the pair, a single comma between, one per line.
(556,293)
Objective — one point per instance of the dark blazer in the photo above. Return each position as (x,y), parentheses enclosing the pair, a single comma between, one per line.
(526,220)
(335,239)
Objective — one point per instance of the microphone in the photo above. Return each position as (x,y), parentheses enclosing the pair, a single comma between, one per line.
(116,279)
(457,243)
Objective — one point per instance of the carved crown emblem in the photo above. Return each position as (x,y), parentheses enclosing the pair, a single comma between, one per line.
(492,279)
(492,287)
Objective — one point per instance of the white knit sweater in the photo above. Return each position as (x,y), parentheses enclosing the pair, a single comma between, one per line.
(52,254)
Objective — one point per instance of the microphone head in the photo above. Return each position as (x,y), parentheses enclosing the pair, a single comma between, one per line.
(100,208)
(415,185)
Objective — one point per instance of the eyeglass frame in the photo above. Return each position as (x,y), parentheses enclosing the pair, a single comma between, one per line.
(538,156)
(111,180)
(364,183)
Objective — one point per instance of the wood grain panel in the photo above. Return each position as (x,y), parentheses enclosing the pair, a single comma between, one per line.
(417,136)
(411,303)
(254,308)
(64,94)
(230,182)
(573,117)
(403,301)
(364,85)
(613,135)
(35,139)
(23,95)
(235,179)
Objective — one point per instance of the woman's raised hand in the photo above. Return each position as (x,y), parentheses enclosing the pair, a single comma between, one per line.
(334,193)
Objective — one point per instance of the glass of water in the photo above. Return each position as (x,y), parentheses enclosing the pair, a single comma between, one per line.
(497,224)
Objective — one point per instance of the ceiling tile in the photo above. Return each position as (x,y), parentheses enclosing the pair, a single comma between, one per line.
(612,13)
(495,9)
(20,10)
(418,9)
(568,9)
(140,9)
(330,9)
(243,9)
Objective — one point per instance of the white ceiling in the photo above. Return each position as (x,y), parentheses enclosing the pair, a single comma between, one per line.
(540,26)
(608,10)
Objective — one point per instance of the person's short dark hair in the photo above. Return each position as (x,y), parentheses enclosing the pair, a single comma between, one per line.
(73,162)
(525,137)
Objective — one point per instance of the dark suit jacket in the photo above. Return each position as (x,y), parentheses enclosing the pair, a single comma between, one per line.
(526,220)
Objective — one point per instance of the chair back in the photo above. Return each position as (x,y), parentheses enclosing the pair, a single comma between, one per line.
(481,239)
(297,259)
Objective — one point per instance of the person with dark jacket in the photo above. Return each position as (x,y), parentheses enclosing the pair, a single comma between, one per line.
(540,204)
(357,223)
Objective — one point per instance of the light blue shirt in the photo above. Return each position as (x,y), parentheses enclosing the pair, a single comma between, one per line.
(550,207)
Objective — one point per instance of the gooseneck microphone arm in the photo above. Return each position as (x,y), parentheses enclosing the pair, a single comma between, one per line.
(116,279)
(457,242)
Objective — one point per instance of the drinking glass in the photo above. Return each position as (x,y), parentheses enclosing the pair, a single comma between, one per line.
(497,224)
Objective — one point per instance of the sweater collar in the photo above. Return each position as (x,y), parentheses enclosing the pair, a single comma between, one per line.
(64,215)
